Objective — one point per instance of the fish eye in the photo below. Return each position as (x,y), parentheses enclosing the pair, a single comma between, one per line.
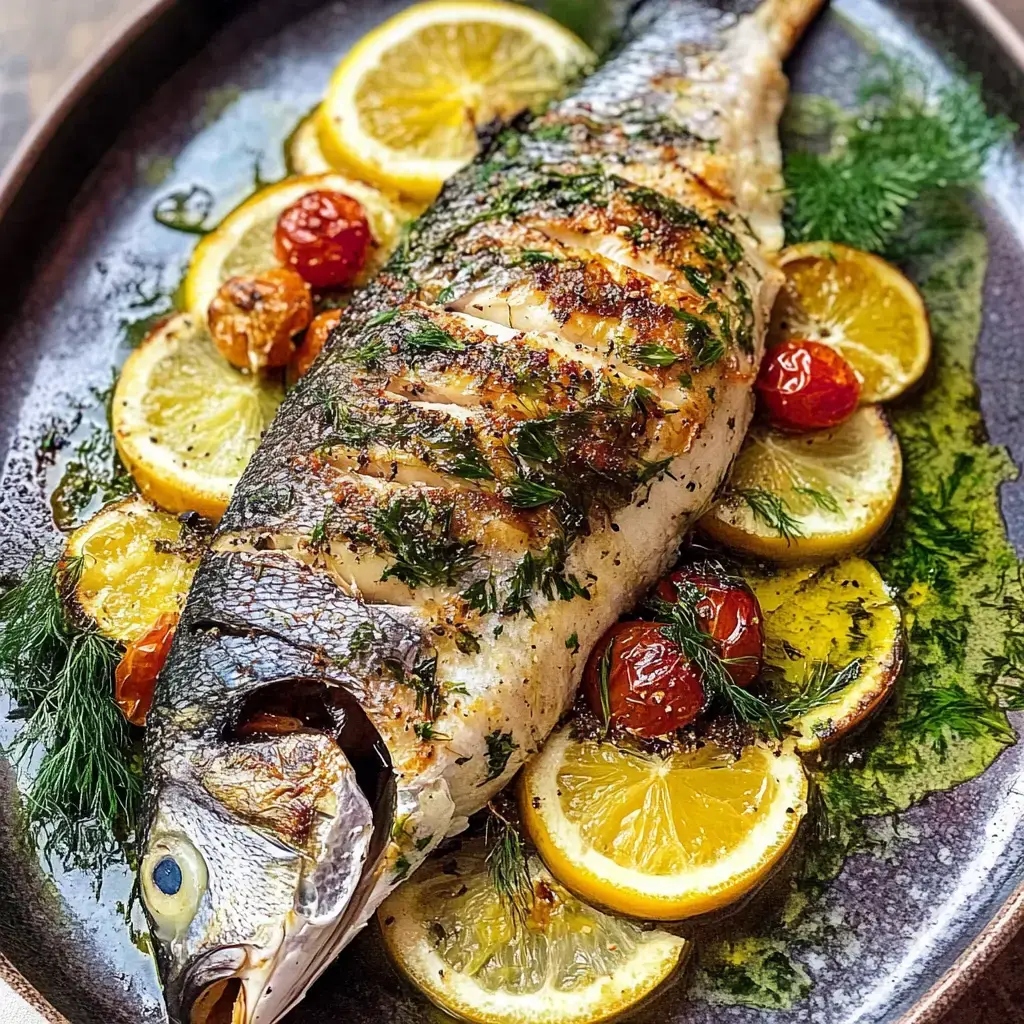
(173,880)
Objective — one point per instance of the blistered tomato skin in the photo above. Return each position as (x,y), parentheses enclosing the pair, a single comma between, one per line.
(652,689)
(805,385)
(729,613)
(315,339)
(325,238)
(135,676)
(254,318)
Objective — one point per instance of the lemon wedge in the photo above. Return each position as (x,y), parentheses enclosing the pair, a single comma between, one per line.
(861,306)
(796,497)
(243,243)
(833,640)
(403,107)
(562,962)
(662,838)
(136,565)
(185,421)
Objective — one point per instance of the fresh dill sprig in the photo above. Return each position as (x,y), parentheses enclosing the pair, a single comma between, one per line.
(772,510)
(83,798)
(825,501)
(682,627)
(507,865)
(905,141)
(822,687)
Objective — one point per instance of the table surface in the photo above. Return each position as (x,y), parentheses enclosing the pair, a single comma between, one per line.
(34,62)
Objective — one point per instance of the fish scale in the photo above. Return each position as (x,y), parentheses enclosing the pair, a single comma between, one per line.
(499,449)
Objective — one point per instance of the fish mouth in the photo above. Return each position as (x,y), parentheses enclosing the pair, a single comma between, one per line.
(221,1002)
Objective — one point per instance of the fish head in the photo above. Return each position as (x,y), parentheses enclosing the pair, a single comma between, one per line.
(260,850)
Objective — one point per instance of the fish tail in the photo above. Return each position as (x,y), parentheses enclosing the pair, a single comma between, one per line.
(786,20)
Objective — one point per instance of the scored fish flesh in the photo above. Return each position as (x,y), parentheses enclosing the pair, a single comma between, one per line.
(497,453)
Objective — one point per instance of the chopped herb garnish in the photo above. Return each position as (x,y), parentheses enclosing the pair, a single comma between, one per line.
(572,642)
(651,355)
(772,510)
(523,493)
(500,746)
(419,538)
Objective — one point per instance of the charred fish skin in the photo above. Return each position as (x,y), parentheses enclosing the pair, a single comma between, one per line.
(498,451)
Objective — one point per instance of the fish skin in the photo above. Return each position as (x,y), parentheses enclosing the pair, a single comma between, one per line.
(501,339)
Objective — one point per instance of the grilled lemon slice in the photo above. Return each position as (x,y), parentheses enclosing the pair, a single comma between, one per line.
(136,565)
(243,243)
(860,305)
(833,641)
(559,962)
(185,421)
(403,107)
(661,838)
(302,151)
(796,497)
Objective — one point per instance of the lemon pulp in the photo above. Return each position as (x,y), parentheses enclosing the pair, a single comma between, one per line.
(859,305)
(667,815)
(186,422)
(131,571)
(555,960)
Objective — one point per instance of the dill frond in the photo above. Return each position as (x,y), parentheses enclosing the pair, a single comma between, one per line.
(83,797)
(903,143)
(682,627)
(771,510)
(822,687)
(508,866)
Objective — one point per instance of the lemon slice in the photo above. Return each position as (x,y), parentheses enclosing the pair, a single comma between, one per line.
(561,963)
(403,107)
(662,838)
(823,626)
(860,305)
(136,565)
(797,497)
(243,243)
(303,153)
(185,421)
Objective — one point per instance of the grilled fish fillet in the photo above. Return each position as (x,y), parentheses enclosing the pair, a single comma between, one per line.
(498,452)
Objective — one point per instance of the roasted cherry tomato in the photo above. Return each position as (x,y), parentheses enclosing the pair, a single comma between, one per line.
(638,679)
(805,385)
(314,340)
(325,237)
(254,317)
(728,612)
(135,677)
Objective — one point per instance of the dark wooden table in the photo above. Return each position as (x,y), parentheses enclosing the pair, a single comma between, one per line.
(42,42)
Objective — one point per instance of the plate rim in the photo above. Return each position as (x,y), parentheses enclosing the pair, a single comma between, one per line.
(1008,919)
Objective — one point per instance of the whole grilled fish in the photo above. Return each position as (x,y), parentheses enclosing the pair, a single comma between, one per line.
(497,453)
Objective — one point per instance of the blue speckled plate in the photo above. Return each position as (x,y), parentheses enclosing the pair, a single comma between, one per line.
(204,92)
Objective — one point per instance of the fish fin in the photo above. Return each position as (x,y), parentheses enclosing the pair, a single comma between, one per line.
(786,20)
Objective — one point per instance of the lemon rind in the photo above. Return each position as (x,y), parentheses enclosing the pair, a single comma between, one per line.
(825,535)
(386,216)
(659,957)
(892,278)
(342,138)
(600,881)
